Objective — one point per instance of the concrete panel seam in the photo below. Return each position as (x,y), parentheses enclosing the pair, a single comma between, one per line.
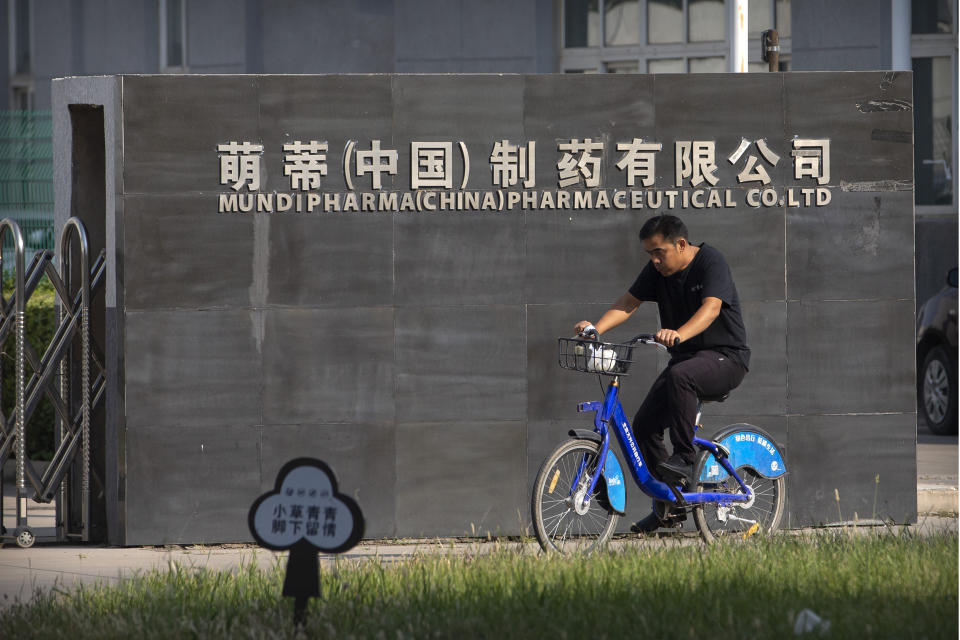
(809,300)
(866,413)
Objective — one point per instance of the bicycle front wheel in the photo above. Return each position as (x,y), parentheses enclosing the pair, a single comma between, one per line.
(741,520)
(565,519)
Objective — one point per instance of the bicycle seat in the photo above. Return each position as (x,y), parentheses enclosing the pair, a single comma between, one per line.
(705,399)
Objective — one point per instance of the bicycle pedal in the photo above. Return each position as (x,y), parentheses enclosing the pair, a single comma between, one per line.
(679,497)
(674,521)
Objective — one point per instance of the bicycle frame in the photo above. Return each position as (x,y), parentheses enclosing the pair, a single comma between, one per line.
(610,411)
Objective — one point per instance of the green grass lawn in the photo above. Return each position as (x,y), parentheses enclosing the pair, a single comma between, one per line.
(873,586)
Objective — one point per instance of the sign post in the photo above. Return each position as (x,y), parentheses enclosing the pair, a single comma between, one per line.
(305,514)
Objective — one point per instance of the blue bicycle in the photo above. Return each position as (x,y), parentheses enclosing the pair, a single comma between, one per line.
(580,493)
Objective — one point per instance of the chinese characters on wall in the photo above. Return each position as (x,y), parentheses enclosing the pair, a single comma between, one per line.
(576,166)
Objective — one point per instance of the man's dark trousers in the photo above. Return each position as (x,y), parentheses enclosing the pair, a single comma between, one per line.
(672,403)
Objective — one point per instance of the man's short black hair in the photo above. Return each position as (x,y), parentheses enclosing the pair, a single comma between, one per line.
(670,227)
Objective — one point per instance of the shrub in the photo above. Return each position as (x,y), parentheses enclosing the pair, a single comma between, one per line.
(41,323)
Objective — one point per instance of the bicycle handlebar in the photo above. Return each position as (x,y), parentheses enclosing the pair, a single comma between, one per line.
(649,338)
(590,331)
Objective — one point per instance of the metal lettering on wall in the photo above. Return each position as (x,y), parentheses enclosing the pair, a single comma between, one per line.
(511,165)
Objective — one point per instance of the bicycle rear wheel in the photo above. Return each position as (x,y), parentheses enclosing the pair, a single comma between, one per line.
(737,521)
(563,520)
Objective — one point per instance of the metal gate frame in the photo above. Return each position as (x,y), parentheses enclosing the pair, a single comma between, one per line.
(69,472)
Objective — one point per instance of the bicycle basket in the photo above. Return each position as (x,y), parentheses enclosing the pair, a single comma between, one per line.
(590,356)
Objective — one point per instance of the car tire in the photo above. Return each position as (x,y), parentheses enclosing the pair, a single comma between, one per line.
(938,392)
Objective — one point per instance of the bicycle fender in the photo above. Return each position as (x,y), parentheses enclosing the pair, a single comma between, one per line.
(616,488)
(612,472)
(747,448)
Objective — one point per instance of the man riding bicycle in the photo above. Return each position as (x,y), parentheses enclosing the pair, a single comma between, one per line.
(703,329)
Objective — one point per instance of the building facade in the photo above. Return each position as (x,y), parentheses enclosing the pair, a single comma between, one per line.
(56,38)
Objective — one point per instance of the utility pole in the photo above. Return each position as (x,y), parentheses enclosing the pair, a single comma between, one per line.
(770,49)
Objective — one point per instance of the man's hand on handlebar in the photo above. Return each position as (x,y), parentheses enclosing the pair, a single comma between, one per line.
(586,328)
(668,337)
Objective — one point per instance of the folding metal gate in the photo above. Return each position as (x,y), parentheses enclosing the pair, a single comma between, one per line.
(70,373)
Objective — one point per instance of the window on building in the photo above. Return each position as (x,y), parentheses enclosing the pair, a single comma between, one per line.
(582,27)
(934,53)
(931,16)
(21,98)
(173,35)
(621,22)
(666,65)
(933,130)
(20,27)
(20,38)
(707,65)
(768,14)
(707,21)
(783,18)
(661,36)
(629,66)
(759,17)
(664,21)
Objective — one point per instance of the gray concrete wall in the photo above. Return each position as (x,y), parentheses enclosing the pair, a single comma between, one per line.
(216,36)
(851,35)
(93,37)
(326,36)
(501,36)
(77,191)
(415,352)
(97,37)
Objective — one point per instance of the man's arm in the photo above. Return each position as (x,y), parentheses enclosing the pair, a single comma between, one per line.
(616,315)
(697,324)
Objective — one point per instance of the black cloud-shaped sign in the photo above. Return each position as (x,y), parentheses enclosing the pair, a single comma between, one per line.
(306,506)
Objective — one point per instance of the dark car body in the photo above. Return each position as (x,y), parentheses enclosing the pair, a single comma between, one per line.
(937,359)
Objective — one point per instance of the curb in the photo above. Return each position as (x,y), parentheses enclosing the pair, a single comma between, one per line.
(937,498)
(932,499)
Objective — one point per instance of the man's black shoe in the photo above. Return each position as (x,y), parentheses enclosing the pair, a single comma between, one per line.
(676,469)
(648,525)
(670,519)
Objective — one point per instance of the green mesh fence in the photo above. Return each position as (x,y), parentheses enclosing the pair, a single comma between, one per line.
(26,179)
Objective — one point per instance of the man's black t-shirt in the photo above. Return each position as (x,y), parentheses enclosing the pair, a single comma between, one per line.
(678,297)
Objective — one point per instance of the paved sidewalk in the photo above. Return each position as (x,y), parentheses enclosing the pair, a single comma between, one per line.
(937,472)
(47,566)
(24,572)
